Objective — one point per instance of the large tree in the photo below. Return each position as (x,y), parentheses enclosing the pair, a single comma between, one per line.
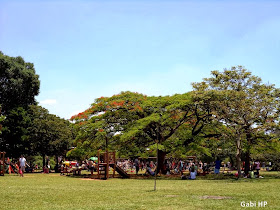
(15,132)
(98,127)
(48,134)
(19,84)
(131,122)
(246,106)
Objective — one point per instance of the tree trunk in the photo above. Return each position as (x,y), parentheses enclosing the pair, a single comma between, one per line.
(247,163)
(231,160)
(106,143)
(238,155)
(247,154)
(161,166)
(44,160)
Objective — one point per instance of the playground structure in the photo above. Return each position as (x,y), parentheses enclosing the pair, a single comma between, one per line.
(106,160)
(2,163)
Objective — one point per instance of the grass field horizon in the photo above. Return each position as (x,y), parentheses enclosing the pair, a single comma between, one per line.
(52,191)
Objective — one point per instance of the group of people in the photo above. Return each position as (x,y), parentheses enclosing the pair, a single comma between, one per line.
(76,166)
(254,170)
(21,165)
(171,166)
(130,165)
(174,166)
(16,166)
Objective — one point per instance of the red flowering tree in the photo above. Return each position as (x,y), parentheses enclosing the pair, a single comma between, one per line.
(132,122)
(99,126)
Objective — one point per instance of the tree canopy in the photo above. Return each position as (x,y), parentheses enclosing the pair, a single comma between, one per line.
(28,128)
(231,109)
(48,134)
(131,122)
(19,83)
(248,108)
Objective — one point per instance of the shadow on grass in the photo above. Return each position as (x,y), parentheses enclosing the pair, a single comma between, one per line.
(226,177)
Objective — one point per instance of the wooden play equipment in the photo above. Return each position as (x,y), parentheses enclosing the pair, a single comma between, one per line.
(2,163)
(106,160)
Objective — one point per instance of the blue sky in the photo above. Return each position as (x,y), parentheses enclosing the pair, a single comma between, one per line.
(83,49)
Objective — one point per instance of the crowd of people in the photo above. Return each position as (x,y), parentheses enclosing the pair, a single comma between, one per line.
(148,166)
(174,166)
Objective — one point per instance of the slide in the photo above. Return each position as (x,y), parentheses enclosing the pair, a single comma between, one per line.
(121,171)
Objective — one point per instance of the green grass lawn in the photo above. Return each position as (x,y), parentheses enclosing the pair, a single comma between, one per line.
(52,191)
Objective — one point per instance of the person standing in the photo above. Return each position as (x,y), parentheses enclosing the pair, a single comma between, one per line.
(217,165)
(181,166)
(47,166)
(22,164)
(90,167)
(258,167)
(136,164)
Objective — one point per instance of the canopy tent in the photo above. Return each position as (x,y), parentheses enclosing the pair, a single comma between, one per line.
(93,158)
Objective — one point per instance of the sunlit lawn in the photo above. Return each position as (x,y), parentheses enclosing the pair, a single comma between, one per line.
(52,191)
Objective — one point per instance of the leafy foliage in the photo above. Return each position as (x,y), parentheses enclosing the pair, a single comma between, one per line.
(19,84)
(2,118)
(49,134)
(248,108)
(131,123)
(15,132)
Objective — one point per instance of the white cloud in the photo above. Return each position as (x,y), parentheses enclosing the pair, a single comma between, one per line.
(48,102)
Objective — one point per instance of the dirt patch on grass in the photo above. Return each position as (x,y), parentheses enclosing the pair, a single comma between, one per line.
(214,197)
(89,179)
(171,196)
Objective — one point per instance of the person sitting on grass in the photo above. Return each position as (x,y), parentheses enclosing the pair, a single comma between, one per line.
(167,168)
(192,173)
(62,169)
(149,170)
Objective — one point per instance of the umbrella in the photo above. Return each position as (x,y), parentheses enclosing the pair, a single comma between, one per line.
(93,158)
